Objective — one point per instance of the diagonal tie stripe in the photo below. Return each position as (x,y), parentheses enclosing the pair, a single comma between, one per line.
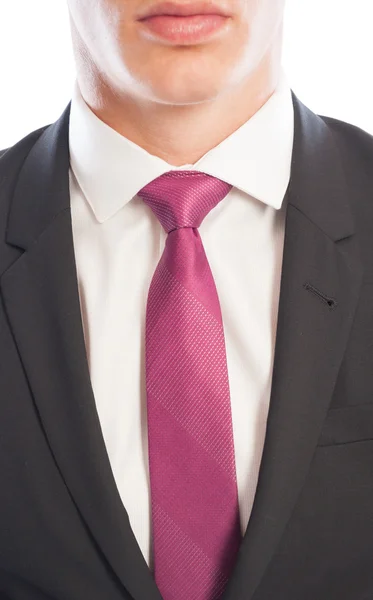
(188,363)
(185,555)
(194,500)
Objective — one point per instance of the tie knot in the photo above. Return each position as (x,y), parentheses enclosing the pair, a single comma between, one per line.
(183,198)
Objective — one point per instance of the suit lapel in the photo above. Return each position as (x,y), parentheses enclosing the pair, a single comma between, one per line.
(320,262)
(40,293)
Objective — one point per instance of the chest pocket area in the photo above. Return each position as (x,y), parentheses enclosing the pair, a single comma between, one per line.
(348,424)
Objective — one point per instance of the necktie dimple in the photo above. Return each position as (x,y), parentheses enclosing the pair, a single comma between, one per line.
(194,500)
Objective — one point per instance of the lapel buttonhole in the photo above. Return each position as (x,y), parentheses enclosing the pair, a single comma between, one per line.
(328,300)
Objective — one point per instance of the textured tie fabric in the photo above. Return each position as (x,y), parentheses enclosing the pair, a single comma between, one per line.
(194,500)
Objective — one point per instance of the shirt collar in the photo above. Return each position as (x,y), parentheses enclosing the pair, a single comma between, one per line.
(111,169)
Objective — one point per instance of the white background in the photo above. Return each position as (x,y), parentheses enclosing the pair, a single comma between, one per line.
(328,58)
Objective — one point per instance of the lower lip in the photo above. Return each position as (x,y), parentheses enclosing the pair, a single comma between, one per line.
(184,30)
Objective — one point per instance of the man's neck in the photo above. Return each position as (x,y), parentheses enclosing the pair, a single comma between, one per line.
(182,134)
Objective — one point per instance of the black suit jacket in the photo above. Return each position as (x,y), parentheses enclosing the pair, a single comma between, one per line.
(64,533)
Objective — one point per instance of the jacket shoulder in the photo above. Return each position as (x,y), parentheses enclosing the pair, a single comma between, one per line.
(16,150)
(355,143)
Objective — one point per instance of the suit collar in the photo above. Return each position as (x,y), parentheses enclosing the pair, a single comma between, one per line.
(318,186)
(42,187)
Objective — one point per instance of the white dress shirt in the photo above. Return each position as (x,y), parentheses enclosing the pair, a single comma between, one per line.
(118,242)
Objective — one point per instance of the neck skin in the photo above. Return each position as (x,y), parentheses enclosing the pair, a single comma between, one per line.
(158,128)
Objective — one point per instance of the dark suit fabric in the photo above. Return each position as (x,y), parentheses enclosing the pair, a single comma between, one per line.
(64,533)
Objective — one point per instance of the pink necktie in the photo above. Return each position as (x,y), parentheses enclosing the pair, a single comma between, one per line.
(195,515)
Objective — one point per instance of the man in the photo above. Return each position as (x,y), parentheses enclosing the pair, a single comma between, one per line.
(186,323)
